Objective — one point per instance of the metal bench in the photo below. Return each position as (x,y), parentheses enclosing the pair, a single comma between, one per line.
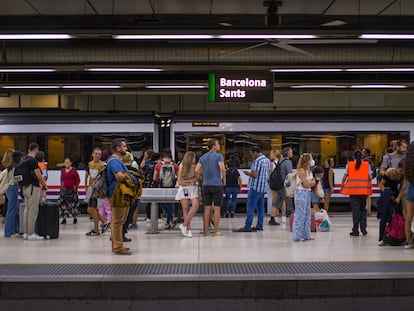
(156,196)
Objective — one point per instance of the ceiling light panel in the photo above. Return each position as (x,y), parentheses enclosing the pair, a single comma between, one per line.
(124,69)
(25,70)
(163,37)
(35,36)
(388,36)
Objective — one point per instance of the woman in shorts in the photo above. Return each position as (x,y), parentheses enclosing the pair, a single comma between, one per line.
(409,176)
(188,191)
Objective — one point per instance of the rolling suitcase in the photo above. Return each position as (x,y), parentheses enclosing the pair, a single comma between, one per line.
(48,220)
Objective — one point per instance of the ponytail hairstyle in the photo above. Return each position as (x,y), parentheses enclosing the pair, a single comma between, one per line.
(358,158)
(304,161)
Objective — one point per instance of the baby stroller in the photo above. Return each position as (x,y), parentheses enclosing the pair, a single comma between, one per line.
(68,204)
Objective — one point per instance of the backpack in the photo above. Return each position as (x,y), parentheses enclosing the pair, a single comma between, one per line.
(395,231)
(291,184)
(373,168)
(101,186)
(22,174)
(148,174)
(276,182)
(167,175)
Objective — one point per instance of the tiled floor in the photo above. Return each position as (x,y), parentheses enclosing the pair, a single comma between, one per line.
(274,244)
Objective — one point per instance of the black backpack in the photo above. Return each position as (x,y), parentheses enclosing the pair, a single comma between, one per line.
(276,181)
(22,174)
(373,168)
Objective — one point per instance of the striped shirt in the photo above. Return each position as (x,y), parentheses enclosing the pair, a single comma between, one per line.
(261,165)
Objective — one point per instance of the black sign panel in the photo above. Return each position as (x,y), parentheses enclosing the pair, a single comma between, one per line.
(250,87)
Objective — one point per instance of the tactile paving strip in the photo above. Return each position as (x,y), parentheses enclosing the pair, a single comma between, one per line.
(208,269)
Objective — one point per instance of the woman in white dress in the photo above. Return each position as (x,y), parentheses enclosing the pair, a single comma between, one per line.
(188,191)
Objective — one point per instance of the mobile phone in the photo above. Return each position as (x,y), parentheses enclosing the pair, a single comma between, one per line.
(185,192)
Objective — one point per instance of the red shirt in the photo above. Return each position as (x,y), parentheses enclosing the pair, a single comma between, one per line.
(70,180)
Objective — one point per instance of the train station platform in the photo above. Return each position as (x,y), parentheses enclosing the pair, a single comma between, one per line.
(236,271)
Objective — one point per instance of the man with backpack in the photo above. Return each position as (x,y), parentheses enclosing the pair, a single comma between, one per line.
(28,175)
(165,173)
(115,170)
(283,168)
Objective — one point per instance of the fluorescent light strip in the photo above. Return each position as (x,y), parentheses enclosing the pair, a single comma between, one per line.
(387,36)
(163,37)
(318,86)
(206,37)
(13,70)
(379,69)
(347,70)
(378,86)
(175,86)
(91,86)
(30,87)
(123,69)
(34,36)
(264,36)
(307,70)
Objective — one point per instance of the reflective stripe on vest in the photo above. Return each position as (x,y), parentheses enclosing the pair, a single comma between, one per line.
(358,182)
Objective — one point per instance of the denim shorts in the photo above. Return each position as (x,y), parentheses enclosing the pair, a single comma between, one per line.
(314,197)
(410,193)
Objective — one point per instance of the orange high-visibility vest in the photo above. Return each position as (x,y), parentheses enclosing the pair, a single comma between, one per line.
(358,182)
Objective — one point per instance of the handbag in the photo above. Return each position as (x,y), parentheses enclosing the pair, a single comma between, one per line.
(88,194)
(4,181)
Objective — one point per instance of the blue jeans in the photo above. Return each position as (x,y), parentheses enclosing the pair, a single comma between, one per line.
(255,201)
(231,193)
(12,216)
(168,208)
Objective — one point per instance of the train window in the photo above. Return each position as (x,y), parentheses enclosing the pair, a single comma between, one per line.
(77,147)
(339,146)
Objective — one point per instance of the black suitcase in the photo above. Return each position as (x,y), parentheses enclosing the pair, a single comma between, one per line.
(48,220)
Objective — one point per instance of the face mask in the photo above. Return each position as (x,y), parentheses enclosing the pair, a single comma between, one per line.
(318,178)
(313,162)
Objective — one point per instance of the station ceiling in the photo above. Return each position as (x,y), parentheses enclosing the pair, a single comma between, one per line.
(329,38)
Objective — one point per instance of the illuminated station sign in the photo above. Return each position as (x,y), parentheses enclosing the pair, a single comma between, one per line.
(251,87)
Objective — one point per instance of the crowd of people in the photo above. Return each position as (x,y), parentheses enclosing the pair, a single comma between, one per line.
(206,180)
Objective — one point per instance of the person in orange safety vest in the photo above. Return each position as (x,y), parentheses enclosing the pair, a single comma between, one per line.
(357,184)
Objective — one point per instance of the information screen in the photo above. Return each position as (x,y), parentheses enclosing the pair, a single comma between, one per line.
(251,87)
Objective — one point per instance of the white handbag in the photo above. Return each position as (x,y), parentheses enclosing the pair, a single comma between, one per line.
(4,181)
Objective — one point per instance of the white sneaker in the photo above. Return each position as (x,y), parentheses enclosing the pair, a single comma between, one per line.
(189,234)
(409,245)
(381,243)
(183,230)
(35,237)
(283,219)
(25,236)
